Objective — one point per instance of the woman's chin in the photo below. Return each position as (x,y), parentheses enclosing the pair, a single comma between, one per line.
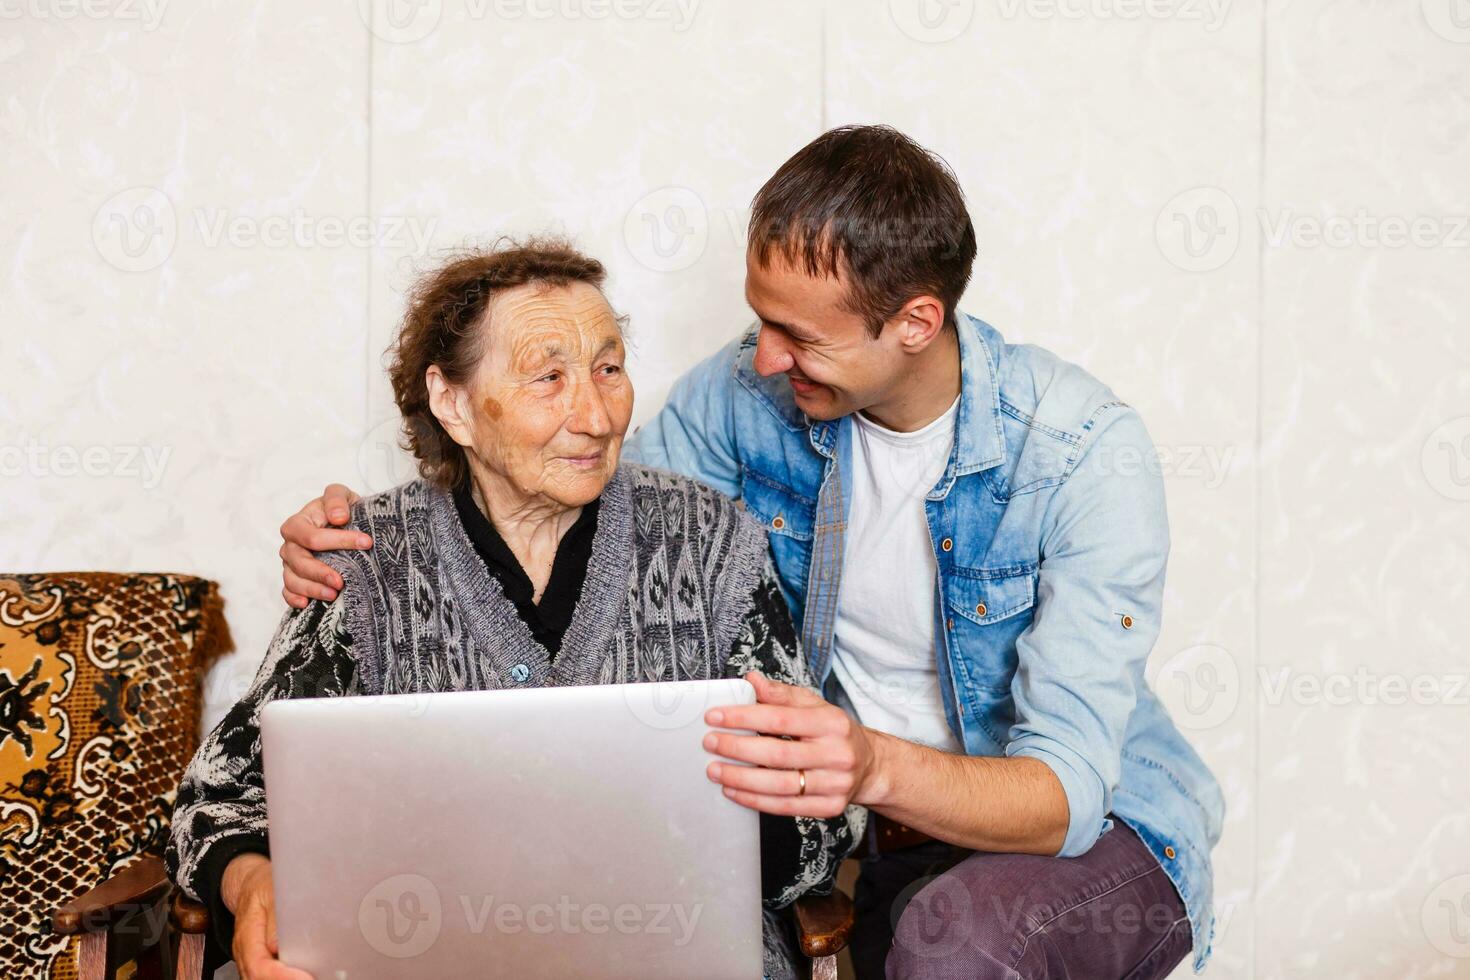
(578,485)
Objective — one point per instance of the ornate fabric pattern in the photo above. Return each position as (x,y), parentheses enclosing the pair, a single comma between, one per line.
(823,843)
(99,714)
(679,587)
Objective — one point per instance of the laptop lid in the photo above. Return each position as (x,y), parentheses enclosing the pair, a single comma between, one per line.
(548,832)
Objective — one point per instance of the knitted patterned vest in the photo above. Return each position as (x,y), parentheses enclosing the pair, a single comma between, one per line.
(673,568)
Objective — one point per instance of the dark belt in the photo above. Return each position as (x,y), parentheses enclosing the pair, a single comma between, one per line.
(886,835)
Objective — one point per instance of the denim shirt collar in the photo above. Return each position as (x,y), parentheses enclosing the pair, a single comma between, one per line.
(978,442)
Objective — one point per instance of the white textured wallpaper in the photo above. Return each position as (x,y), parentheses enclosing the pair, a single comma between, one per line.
(1251,218)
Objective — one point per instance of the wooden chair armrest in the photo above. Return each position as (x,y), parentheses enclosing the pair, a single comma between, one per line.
(188,916)
(139,884)
(823,923)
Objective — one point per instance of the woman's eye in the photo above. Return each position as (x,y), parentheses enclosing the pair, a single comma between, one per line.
(612,369)
(554,376)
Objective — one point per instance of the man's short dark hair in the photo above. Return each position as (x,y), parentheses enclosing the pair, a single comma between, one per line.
(872,200)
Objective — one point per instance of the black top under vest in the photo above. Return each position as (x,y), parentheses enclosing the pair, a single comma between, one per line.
(548,619)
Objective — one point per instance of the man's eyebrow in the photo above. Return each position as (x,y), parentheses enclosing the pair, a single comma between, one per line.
(796,332)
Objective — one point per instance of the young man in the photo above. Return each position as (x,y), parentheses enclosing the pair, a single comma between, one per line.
(976,555)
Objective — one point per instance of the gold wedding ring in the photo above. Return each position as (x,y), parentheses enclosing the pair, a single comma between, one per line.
(802,790)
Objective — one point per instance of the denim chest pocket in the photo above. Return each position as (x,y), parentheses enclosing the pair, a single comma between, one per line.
(787,518)
(986,610)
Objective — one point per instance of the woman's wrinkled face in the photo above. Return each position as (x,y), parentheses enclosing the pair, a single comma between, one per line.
(550,402)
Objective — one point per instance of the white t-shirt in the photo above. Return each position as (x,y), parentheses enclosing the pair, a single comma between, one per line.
(884,652)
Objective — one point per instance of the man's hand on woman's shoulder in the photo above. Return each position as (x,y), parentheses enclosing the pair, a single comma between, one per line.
(317,527)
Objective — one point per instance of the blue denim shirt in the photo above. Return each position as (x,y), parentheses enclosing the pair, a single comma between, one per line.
(1051,537)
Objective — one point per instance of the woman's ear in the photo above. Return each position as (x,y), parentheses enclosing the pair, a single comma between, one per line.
(450,405)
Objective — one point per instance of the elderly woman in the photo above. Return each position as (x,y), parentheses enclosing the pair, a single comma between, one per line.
(524,556)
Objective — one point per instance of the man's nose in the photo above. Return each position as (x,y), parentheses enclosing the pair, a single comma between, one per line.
(771,355)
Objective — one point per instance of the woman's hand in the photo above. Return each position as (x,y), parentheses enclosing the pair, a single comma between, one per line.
(811,759)
(248,892)
(311,529)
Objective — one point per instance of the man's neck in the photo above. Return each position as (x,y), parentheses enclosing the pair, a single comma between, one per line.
(929,387)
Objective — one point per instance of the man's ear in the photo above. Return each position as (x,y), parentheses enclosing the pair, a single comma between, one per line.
(919,322)
(450,405)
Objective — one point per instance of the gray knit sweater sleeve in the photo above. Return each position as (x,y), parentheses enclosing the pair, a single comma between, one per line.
(799,855)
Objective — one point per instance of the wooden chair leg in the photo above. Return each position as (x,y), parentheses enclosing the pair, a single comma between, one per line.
(190,920)
(92,956)
(190,965)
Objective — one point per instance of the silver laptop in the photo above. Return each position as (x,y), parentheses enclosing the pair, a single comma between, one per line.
(552,832)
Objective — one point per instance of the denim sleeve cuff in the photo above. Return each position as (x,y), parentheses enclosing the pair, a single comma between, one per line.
(1086,806)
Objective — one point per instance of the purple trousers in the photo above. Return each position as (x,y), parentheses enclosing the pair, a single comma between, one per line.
(943,913)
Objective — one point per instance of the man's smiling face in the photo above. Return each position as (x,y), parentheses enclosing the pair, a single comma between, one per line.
(833,362)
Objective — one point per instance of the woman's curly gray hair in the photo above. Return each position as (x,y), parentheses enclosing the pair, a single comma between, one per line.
(443,326)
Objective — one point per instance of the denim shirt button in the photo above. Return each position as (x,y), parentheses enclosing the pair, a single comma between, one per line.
(979,609)
(778,522)
(947,544)
(1170,853)
(520,672)
(1128,625)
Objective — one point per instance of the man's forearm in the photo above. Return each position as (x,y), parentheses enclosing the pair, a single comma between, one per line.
(1006,805)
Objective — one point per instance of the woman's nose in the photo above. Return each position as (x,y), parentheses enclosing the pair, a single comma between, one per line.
(589,413)
(771,355)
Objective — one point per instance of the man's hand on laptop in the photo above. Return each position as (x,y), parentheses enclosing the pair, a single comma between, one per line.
(247,890)
(316,528)
(810,759)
